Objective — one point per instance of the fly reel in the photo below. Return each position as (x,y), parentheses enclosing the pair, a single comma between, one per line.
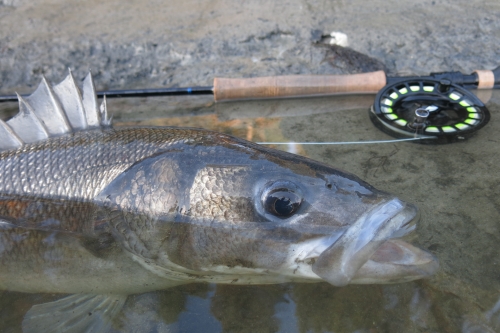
(436,111)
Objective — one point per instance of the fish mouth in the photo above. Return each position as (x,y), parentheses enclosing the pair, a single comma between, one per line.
(370,251)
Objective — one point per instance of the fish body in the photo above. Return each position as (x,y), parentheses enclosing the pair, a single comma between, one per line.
(117,211)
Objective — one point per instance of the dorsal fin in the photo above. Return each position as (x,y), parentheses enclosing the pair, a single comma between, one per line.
(54,111)
(48,109)
(26,125)
(9,139)
(90,102)
(71,100)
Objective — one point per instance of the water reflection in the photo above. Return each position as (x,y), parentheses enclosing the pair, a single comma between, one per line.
(456,187)
(449,183)
(411,307)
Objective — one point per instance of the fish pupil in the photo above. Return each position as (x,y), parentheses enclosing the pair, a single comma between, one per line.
(283,203)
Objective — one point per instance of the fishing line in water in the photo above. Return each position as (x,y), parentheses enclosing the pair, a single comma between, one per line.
(344,142)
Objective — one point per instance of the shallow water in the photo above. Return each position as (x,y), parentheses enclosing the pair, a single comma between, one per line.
(455,186)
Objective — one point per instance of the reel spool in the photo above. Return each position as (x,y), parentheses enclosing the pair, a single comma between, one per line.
(437,111)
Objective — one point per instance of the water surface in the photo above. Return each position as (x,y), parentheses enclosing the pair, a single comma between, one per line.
(456,187)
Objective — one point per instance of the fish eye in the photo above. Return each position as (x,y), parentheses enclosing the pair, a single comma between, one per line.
(282,203)
(282,199)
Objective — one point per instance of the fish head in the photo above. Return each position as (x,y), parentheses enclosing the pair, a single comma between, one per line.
(349,231)
(242,213)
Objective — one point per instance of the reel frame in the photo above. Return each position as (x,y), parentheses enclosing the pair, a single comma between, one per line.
(436,111)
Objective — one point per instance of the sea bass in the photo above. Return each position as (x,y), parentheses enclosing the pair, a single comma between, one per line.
(103,212)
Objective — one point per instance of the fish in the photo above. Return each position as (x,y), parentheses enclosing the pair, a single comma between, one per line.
(100,213)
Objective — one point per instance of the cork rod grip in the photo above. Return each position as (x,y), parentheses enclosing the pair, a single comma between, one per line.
(297,85)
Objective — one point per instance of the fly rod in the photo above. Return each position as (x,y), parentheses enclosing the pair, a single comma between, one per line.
(226,89)
(439,107)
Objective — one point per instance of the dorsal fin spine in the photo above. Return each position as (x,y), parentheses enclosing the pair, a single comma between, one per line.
(51,111)
(56,103)
(89,100)
(70,99)
(105,120)
(8,139)
(26,123)
(78,95)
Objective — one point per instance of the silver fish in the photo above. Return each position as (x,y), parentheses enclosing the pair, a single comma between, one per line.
(102,213)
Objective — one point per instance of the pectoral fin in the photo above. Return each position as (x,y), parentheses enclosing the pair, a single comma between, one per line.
(75,313)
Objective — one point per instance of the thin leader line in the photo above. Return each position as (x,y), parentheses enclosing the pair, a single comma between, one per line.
(344,142)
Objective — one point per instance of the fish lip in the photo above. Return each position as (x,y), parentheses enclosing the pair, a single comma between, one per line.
(406,263)
(339,263)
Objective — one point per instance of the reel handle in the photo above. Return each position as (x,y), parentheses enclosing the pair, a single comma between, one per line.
(297,86)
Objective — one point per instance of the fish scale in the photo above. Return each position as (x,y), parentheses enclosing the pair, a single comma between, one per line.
(103,213)
(84,159)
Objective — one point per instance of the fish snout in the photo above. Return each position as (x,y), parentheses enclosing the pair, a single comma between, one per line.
(368,252)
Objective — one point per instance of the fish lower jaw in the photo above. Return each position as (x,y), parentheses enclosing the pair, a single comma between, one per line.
(396,261)
(369,251)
